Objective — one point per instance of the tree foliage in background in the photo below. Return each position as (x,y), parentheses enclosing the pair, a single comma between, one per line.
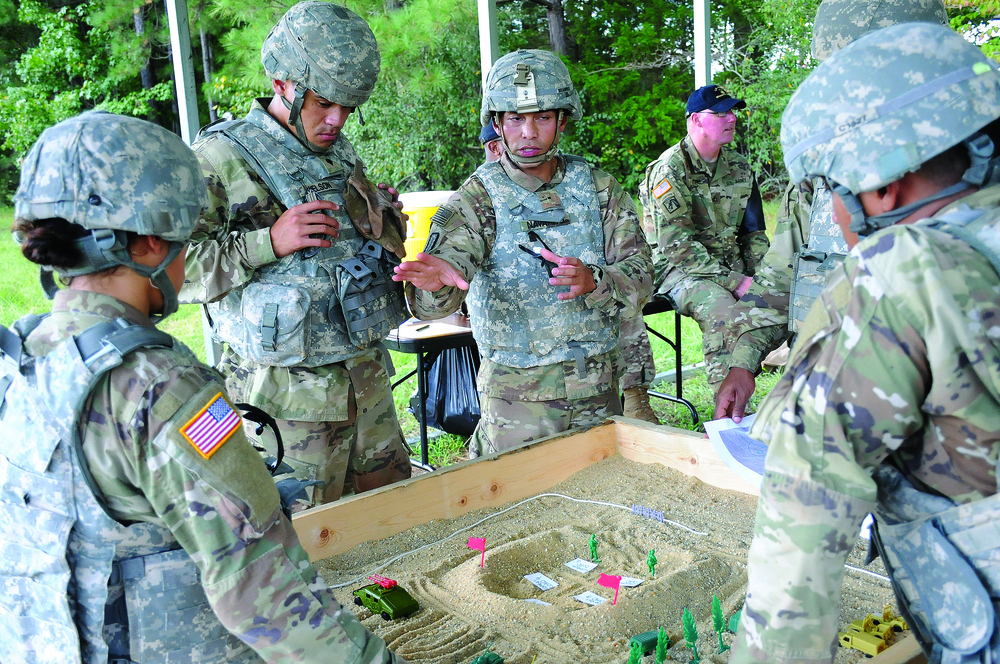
(632,63)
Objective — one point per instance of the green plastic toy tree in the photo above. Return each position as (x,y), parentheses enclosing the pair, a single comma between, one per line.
(690,634)
(718,622)
(635,657)
(662,643)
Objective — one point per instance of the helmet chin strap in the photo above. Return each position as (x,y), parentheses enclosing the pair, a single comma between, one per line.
(295,118)
(983,170)
(537,159)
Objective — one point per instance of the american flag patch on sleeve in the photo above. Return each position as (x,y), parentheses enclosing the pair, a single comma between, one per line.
(212,426)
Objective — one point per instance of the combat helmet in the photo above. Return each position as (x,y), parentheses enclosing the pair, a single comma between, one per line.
(885,104)
(111,174)
(529,81)
(325,48)
(839,22)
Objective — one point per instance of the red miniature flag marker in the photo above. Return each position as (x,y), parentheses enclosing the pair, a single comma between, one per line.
(479,543)
(609,581)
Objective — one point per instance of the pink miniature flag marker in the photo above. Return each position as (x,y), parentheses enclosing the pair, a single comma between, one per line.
(609,581)
(480,544)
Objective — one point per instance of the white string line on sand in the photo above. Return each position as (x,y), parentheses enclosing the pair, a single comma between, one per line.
(496,514)
(864,571)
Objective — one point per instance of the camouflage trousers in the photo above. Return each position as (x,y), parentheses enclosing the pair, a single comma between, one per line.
(363,452)
(637,354)
(506,424)
(711,306)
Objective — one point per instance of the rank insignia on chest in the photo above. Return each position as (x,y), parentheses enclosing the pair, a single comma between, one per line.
(662,188)
(212,426)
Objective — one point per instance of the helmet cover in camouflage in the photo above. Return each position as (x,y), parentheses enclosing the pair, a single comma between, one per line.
(529,81)
(839,22)
(102,170)
(887,103)
(327,48)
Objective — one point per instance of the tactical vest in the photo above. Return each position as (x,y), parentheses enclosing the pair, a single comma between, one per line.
(318,305)
(517,319)
(77,586)
(813,264)
(942,556)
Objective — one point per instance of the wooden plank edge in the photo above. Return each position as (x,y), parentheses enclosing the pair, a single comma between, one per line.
(680,449)
(904,651)
(490,481)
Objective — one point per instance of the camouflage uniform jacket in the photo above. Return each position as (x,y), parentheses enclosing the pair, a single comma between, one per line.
(231,241)
(693,215)
(760,318)
(463,233)
(223,510)
(898,359)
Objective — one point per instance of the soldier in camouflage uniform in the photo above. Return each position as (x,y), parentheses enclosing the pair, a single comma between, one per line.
(807,242)
(296,284)
(555,257)
(131,529)
(891,398)
(703,214)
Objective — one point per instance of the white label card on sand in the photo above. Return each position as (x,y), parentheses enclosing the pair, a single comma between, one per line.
(630,582)
(581,565)
(537,601)
(540,580)
(590,598)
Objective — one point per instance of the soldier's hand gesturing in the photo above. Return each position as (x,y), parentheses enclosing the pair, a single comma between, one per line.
(430,273)
(572,272)
(301,226)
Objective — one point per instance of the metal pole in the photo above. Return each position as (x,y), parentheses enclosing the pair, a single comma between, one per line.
(180,53)
(702,43)
(489,49)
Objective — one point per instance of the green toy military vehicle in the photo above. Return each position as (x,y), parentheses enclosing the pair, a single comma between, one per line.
(488,657)
(386,598)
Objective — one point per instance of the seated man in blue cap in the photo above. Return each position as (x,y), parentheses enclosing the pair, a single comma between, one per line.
(490,140)
(702,214)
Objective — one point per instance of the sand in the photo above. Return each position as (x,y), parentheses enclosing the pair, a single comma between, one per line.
(465,608)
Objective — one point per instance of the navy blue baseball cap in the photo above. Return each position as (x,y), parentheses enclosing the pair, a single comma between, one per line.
(712,98)
(488,134)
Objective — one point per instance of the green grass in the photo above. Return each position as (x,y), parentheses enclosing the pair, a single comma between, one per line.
(21,293)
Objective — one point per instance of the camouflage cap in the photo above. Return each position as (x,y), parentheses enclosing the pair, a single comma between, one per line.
(887,103)
(839,22)
(102,170)
(327,48)
(528,81)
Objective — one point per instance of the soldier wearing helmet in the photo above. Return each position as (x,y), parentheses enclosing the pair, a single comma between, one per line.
(807,243)
(890,402)
(703,213)
(551,256)
(129,492)
(294,257)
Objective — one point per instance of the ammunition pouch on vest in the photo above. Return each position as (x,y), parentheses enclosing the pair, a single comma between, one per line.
(77,585)
(293,312)
(942,559)
(517,318)
(813,264)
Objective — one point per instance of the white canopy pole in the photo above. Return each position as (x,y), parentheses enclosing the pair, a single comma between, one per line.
(489,49)
(702,43)
(180,53)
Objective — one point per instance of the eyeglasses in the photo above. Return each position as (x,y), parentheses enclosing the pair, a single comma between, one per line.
(724,114)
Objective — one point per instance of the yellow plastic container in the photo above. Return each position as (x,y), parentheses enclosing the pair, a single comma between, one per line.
(421,206)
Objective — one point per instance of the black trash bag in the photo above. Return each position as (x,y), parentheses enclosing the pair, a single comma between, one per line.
(452,398)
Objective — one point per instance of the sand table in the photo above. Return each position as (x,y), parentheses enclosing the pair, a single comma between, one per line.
(465,608)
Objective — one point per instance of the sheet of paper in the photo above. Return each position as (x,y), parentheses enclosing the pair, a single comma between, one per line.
(537,601)
(540,580)
(590,598)
(630,582)
(581,565)
(732,442)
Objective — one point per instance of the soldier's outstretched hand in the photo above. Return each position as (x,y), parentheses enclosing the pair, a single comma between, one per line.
(430,273)
(734,393)
(572,272)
